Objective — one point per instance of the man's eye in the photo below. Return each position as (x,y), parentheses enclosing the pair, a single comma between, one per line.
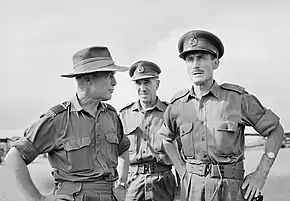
(190,59)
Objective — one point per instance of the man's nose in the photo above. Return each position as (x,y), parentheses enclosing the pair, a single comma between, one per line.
(114,81)
(195,64)
(142,87)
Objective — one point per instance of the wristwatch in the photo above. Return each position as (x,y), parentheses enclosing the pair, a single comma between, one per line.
(270,155)
(122,184)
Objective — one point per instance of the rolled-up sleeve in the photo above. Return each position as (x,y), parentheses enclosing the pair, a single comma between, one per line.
(254,114)
(38,138)
(124,144)
(168,130)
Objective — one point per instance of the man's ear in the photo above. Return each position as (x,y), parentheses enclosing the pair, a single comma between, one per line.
(88,80)
(215,63)
(158,83)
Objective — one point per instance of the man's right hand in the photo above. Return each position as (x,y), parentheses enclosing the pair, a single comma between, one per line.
(56,198)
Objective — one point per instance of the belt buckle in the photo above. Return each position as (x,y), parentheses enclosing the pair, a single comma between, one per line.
(141,169)
(204,169)
(151,168)
(146,168)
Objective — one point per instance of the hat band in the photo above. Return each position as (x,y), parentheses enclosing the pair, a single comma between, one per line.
(91,60)
(202,45)
(145,75)
(92,65)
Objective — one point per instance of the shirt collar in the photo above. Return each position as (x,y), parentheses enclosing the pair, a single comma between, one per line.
(214,90)
(75,104)
(76,107)
(158,105)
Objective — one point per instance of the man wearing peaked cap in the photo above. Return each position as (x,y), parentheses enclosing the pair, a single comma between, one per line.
(150,175)
(83,137)
(199,40)
(210,120)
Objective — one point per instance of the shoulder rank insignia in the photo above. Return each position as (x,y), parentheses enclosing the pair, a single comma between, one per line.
(179,95)
(233,87)
(127,105)
(110,107)
(57,109)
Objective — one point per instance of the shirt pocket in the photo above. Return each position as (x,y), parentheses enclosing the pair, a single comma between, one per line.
(133,137)
(79,152)
(187,139)
(225,137)
(112,148)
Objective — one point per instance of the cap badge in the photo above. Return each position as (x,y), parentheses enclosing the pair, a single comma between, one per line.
(192,41)
(140,68)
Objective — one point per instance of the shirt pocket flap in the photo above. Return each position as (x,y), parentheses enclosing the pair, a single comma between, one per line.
(74,144)
(112,137)
(186,129)
(131,130)
(229,126)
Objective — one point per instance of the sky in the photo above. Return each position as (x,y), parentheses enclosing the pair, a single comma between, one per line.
(38,39)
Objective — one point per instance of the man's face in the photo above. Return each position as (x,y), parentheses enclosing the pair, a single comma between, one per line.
(200,66)
(146,89)
(102,86)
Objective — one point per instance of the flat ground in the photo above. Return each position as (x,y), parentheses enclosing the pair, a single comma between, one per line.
(277,186)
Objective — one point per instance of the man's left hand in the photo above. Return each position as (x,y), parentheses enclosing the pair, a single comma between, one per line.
(120,193)
(254,182)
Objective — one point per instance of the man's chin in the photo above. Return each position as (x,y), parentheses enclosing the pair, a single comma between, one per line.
(143,100)
(197,82)
(107,98)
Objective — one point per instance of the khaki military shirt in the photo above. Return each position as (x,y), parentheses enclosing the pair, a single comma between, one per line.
(79,146)
(141,128)
(211,129)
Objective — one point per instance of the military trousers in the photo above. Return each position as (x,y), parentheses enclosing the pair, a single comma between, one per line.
(206,188)
(86,191)
(159,186)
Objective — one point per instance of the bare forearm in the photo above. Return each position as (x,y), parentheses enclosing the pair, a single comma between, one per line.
(18,168)
(172,151)
(123,167)
(273,145)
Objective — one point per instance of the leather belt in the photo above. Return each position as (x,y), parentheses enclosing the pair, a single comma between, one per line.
(144,168)
(229,171)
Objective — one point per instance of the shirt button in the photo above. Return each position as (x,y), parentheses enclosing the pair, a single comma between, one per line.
(202,122)
(201,105)
(204,156)
(202,138)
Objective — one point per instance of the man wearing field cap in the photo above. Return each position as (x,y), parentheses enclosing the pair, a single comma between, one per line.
(210,120)
(150,175)
(83,137)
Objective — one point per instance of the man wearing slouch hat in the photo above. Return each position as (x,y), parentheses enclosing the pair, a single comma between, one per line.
(83,137)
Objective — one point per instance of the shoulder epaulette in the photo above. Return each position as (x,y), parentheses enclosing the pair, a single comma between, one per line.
(126,106)
(110,107)
(179,95)
(57,109)
(165,102)
(233,87)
